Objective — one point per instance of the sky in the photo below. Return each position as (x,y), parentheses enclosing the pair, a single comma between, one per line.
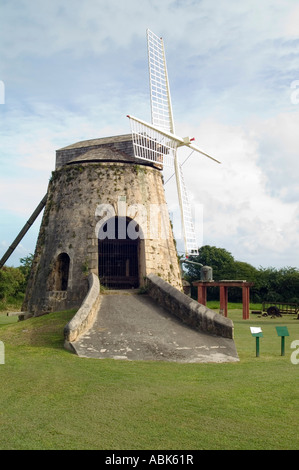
(71,71)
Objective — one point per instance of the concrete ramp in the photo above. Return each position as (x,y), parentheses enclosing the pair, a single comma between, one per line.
(134,327)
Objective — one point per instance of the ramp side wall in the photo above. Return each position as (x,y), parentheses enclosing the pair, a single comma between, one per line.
(192,313)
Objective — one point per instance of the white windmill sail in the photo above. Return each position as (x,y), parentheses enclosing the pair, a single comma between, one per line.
(157,142)
(151,144)
(161,107)
(191,245)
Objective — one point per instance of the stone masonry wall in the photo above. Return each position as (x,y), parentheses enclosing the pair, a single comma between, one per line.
(69,226)
(189,311)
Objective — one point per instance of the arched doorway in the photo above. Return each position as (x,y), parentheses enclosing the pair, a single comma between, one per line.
(60,275)
(118,249)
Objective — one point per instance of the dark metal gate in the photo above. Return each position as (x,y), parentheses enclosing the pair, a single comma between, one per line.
(118,259)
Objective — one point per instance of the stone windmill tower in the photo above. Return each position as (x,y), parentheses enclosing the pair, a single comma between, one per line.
(105,213)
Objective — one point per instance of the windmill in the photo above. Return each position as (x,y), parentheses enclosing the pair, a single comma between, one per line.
(158,142)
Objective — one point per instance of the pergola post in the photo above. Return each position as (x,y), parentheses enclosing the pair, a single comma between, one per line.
(223,299)
(245,298)
(202,294)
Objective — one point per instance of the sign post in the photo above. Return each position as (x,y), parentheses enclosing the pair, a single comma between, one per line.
(282,331)
(257,334)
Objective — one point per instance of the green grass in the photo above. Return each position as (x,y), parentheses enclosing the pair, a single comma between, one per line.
(11,304)
(52,399)
(5,320)
(215,305)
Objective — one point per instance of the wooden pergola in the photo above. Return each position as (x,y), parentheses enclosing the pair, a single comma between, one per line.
(224,285)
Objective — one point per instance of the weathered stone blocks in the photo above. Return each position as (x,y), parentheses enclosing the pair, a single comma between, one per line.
(89,175)
(188,310)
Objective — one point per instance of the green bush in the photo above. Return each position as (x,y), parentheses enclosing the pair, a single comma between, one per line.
(13,282)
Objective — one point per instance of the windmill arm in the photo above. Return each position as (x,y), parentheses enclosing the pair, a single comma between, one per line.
(194,147)
(179,140)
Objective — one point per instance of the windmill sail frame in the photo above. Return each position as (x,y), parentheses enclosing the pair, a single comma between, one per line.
(157,142)
(152,145)
(161,107)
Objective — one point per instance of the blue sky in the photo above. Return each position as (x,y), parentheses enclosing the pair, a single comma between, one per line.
(74,70)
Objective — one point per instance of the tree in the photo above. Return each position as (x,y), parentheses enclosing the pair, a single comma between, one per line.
(26,264)
(220,260)
(11,283)
(270,284)
(278,285)
(289,284)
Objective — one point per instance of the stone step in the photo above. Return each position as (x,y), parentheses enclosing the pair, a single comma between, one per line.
(120,291)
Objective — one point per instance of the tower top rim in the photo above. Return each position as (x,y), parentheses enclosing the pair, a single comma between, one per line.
(117,148)
(98,141)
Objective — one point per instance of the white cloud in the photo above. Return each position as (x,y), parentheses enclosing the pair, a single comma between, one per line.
(292,21)
(239,210)
(278,153)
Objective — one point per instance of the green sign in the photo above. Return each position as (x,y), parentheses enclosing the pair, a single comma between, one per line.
(282,331)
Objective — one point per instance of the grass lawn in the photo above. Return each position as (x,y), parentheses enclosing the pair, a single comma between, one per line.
(52,399)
